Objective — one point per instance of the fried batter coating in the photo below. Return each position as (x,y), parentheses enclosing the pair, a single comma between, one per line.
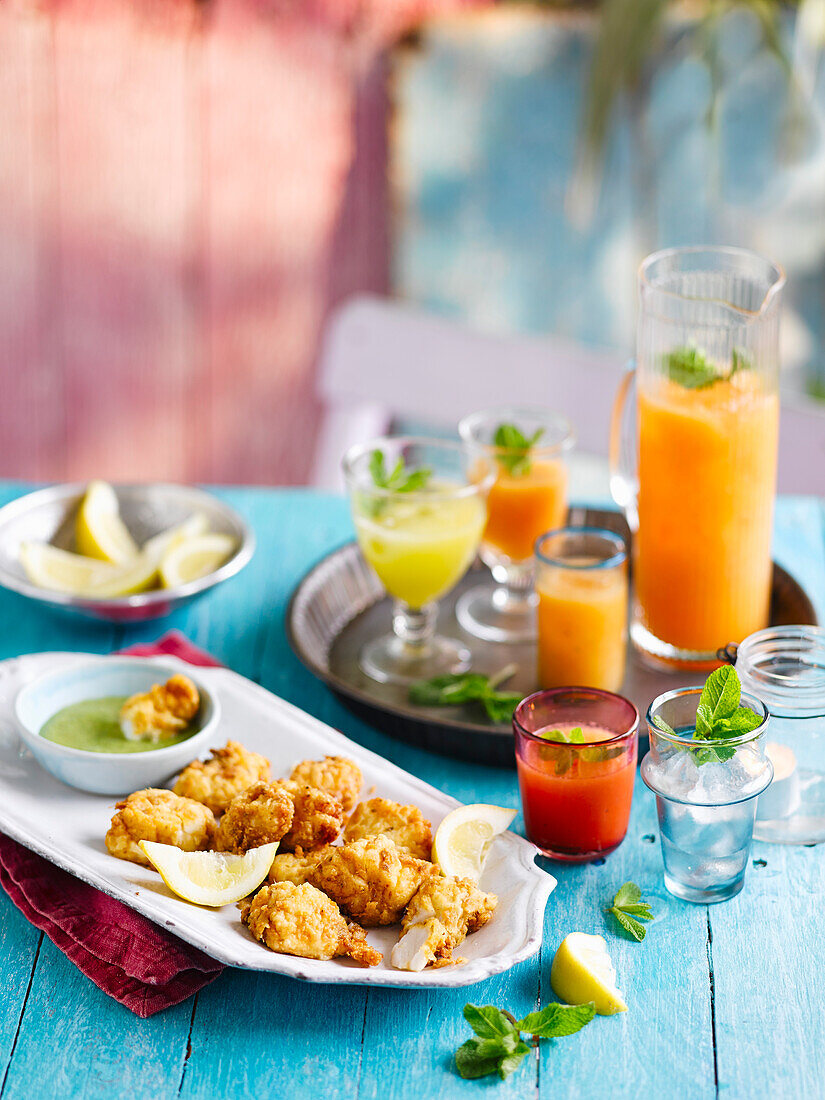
(406,825)
(297,867)
(161,712)
(162,816)
(371,879)
(317,819)
(336,775)
(300,920)
(216,781)
(259,815)
(442,912)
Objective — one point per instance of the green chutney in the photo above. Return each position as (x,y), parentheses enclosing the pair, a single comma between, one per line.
(94,725)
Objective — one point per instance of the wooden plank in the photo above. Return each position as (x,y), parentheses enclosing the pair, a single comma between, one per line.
(75,1040)
(260,1034)
(19,947)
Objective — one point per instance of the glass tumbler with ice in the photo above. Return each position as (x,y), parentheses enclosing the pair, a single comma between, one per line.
(706,795)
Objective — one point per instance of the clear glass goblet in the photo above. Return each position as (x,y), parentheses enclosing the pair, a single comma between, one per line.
(420,535)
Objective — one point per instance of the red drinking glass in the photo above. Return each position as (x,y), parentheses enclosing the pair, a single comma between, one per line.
(576,796)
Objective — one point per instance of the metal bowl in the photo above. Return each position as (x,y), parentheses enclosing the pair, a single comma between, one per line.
(48,515)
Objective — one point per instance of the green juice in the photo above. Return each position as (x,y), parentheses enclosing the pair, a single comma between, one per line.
(94,725)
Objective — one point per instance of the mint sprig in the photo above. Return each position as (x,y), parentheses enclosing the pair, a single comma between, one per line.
(457,688)
(719,718)
(574,737)
(690,367)
(517,446)
(399,479)
(499,1046)
(629,910)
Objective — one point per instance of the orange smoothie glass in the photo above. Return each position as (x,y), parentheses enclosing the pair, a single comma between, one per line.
(582,587)
(700,503)
(576,794)
(527,497)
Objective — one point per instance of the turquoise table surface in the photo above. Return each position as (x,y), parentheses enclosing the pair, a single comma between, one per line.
(724,1000)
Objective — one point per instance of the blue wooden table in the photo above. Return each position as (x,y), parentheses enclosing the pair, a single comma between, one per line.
(724,1001)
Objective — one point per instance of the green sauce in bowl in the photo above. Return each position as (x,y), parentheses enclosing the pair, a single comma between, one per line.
(94,725)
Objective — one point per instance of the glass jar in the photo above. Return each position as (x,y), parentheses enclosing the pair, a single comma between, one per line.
(785,667)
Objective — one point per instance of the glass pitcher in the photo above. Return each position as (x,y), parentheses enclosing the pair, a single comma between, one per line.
(698,491)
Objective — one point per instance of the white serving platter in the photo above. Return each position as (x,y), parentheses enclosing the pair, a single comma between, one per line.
(67,826)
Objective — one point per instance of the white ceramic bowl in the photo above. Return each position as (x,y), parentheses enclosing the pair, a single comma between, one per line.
(95,678)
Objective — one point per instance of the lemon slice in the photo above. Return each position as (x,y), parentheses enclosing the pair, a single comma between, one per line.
(49,567)
(158,545)
(463,838)
(210,878)
(125,580)
(582,971)
(99,530)
(194,558)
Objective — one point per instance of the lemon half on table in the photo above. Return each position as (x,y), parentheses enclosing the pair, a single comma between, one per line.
(210,878)
(462,840)
(583,971)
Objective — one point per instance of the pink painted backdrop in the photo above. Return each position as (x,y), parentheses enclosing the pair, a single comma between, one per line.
(186,188)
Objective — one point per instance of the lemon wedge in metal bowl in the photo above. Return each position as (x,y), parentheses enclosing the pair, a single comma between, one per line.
(582,971)
(463,838)
(192,558)
(99,531)
(61,571)
(210,878)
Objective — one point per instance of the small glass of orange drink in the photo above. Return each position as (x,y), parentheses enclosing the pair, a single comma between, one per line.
(582,587)
(576,754)
(528,448)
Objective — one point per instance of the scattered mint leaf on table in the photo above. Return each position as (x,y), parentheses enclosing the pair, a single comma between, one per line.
(517,446)
(499,1046)
(629,910)
(455,689)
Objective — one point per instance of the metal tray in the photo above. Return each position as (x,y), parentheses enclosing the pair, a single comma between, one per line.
(339,604)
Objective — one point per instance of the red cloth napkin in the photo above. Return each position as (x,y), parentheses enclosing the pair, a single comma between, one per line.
(129,957)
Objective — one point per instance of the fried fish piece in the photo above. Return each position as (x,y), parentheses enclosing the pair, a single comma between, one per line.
(298,866)
(162,816)
(441,913)
(371,879)
(161,712)
(406,825)
(216,781)
(336,775)
(259,815)
(300,920)
(317,817)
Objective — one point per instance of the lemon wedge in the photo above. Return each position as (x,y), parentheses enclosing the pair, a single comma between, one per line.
(210,878)
(49,567)
(157,546)
(582,971)
(124,580)
(99,531)
(463,838)
(194,558)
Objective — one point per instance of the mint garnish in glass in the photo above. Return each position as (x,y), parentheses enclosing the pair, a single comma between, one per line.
(691,368)
(518,446)
(719,718)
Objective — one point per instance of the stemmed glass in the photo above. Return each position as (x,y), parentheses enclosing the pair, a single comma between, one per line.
(420,536)
(527,498)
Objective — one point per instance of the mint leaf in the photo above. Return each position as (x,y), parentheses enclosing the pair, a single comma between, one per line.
(743,720)
(739,361)
(628,894)
(663,726)
(630,924)
(455,689)
(488,1022)
(512,1061)
(704,721)
(629,910)
(399,479)
(721,693)
(513,440)
(689,368)
(477,1058)
(500,705)
(555,1020)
